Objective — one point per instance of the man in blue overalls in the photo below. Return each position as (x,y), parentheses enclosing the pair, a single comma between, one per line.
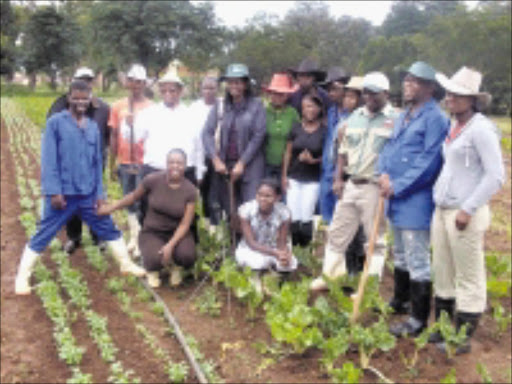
(71,181)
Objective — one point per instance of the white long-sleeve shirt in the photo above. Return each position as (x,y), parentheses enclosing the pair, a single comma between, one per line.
(163,128)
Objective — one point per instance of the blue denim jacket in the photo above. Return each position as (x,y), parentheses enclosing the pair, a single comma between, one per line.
(412,159)
(71,162)
(329,157)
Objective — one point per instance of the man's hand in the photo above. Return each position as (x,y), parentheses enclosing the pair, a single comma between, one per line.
(103,209)
(386,188)
(462,220)
(58,202)
(237,171)
(337,187)
(219,166)
(166,252)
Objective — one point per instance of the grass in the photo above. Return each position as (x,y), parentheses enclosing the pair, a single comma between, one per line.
(504,123)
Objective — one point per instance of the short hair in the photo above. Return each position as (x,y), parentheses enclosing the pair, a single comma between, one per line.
(272,183)
(210,79)
(79,85)
(178,151)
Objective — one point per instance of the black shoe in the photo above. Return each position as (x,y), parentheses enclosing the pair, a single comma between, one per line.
(306,233)
(400,303)
(102,245)
(446,305)
(295,231)
(410,327)
(71,246)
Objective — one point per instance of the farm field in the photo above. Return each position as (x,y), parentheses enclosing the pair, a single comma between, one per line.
(118,333)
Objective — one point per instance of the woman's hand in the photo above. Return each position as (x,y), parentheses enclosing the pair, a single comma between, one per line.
(166,252)
(237,171)
(284,256)
(462,220)
(284,184)
(219,166)
(305,157)
(58,202)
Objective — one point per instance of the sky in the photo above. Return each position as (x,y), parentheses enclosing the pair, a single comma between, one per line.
(235,13)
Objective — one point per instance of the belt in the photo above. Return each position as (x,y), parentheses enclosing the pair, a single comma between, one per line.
(360,180)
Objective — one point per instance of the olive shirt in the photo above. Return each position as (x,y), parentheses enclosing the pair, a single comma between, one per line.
(279,125)
(364,136)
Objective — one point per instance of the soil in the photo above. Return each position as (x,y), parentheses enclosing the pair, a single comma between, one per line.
(28,352)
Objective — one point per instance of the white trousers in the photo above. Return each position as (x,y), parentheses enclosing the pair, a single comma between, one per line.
(301,199)
(247,257)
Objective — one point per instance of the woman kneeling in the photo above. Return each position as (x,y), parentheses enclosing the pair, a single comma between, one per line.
(165,239)
(265,226)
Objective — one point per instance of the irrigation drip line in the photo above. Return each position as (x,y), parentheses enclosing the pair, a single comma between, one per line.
(179,334)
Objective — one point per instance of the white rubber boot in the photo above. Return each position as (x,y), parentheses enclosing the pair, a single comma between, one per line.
(376,267)
(153,279)
(134,228)
(176,276)
(333,267)
(120,253)
(28,259)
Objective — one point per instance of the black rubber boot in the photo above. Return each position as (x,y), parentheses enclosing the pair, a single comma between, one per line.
(400,303)
(296,233)
(471,320)
(306,233)
(355,254)
(420,310)
(447,305)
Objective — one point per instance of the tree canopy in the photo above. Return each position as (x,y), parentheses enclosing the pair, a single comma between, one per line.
(110,35)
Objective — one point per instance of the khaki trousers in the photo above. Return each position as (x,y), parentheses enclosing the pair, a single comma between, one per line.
(458,259)
(358,205)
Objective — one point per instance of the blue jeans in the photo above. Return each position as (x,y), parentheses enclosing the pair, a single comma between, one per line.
(129,182)
(52,221)
(327,198)
(411,252)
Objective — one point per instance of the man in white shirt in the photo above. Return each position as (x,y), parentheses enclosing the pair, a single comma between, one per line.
(167,125)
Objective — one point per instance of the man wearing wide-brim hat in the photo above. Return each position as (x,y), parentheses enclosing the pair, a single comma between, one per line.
(408,167)
(308,75)
(98,111)
(473,171)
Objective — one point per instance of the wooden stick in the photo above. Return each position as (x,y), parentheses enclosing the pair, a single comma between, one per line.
(369,254)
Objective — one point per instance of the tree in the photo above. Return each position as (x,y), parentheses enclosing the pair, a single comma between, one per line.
(50,43)
(9,32)
(152,33)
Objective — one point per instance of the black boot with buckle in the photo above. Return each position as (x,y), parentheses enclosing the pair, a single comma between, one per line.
(447,305)
(400,303)
(420,310)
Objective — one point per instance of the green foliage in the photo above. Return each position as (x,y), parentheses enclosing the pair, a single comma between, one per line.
(291,320)
(347,374)
(177,372)
(240,284)
(502,318)
(498,265)
(371,339)
(484,373)
(119,376)
(207,302)
(158,309)
(79,377)
(450,377)
(334,347)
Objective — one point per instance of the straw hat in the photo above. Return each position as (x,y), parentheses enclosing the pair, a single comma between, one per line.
(465,82)
(356,82)
(281,83)
(171,77)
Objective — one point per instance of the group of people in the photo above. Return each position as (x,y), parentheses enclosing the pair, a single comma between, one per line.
(319,143)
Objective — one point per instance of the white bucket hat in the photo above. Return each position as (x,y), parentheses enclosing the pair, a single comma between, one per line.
(137,72)
(171,77)
(465,82)
(84,72)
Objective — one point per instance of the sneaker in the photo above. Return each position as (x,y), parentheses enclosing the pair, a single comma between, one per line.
(71,245)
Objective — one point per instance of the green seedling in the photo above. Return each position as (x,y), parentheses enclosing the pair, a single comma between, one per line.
(177,372)
(371,339)
(207,302)
(347,374)
(452,338)
(450,377)
(484,373)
